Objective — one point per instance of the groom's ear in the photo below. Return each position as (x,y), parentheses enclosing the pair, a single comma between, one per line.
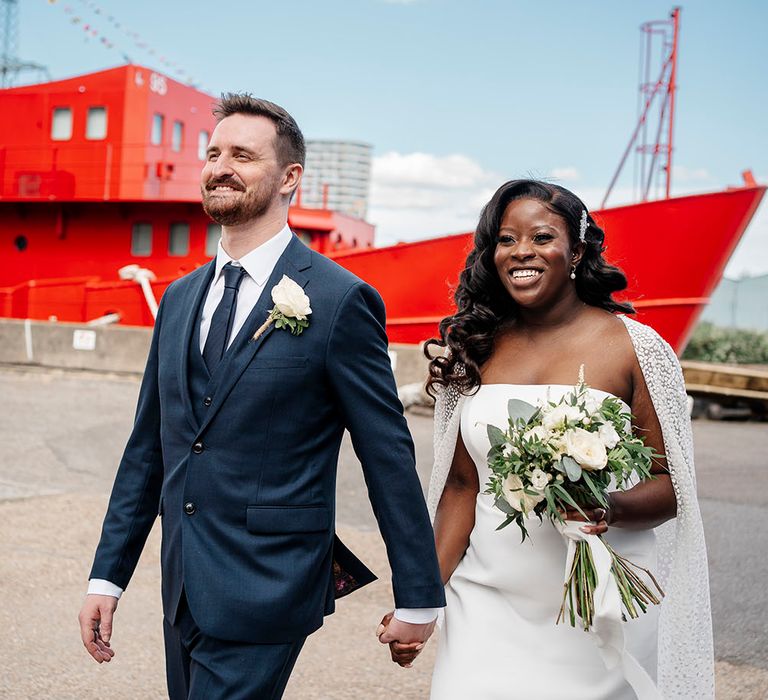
(291,179)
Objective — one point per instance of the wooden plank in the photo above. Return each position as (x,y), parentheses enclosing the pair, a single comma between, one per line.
(708,389)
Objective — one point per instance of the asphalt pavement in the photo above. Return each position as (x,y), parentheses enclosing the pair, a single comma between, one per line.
(61,436)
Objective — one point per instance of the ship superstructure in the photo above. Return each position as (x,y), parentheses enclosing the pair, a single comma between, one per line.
(102,171)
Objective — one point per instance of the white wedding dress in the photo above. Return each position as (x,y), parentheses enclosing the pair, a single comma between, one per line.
(499,640)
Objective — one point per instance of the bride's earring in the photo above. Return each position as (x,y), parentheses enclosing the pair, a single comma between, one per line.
(573,272)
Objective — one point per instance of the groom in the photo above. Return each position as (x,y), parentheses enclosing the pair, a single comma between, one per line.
(236,439)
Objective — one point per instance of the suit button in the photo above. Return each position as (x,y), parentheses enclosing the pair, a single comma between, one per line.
(190,508)
(207,401)
(197,448)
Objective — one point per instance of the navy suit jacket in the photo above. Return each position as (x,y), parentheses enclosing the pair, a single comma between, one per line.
(258,465)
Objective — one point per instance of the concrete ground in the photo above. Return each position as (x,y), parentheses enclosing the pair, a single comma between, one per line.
(61,435)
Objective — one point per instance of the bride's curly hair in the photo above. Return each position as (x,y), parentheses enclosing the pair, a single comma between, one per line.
(482,302)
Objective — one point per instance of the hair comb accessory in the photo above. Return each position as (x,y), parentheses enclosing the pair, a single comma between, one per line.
(583,226)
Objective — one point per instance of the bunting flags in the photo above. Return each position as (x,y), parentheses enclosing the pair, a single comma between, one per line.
(90,30)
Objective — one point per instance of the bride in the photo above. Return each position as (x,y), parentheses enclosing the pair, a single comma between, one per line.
(534,304)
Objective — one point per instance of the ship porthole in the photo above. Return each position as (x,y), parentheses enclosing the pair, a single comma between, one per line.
(21,243)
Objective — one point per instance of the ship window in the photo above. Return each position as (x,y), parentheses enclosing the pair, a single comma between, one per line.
(178,136)
(158,120)
(212,235)
(141,239)
(178,242)
(202,144)
(61,124)
(96,124)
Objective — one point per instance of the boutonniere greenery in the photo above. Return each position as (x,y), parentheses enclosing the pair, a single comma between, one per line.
(291,310)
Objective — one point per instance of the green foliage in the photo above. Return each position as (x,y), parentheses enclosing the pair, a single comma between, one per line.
(520,410)
(294,325)
(572,467)
(496,436)
(710,343)
(516,453)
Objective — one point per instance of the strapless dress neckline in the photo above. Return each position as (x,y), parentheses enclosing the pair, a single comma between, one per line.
(537,387)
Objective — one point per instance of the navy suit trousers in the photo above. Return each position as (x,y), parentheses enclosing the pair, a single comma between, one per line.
(199,667)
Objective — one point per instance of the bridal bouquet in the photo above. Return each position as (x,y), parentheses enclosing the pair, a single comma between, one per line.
(563,455)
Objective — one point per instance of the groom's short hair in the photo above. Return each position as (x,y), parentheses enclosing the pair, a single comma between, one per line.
(289,143)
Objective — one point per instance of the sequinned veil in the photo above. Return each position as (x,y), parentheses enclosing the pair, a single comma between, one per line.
(685,650)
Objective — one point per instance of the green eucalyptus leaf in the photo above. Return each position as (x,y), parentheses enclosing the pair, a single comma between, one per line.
(518,409)
(572,468)
(496,436)
(504,507)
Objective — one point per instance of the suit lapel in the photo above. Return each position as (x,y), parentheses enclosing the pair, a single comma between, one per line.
(294,261)
(195,296)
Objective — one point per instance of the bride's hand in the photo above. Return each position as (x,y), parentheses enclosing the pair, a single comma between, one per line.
(599,518)
(402,653)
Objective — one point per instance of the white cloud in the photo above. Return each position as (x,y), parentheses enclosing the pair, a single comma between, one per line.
(565,174)
(420,195)
(426,170)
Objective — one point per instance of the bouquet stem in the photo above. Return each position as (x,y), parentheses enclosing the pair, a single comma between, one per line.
(579,586)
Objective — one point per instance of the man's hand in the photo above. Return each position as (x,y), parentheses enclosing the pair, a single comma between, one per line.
(96,625)
(405,639)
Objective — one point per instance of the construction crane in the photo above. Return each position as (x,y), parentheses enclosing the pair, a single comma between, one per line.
(10,64)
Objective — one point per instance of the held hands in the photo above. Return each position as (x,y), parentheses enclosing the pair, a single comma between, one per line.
(406,640)
(96,625)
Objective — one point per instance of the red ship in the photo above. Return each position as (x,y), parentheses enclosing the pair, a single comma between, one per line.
(100,172)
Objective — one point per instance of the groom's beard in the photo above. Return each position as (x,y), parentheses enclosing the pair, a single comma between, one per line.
(240,205)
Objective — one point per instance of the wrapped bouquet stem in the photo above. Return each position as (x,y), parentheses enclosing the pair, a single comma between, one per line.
(583,578)
(594,592)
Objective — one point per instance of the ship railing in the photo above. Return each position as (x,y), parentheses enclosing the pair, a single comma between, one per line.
(97,171)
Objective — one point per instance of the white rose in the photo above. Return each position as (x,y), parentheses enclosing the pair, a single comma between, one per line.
(512,490)
(538,431)
(586,448)
(558,446)
(290,299)
(608,435)
(556,417)
(540,479)
(591,404)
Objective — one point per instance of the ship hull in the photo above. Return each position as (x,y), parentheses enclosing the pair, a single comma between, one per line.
(673,251)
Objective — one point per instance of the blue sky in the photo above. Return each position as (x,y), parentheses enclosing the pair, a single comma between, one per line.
(455,97)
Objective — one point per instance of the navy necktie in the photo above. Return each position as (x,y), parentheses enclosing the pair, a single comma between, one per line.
(223,317)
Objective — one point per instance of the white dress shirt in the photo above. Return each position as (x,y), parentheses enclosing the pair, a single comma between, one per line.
(258,265)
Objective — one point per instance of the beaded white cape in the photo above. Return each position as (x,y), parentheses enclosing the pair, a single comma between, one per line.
(685,649)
